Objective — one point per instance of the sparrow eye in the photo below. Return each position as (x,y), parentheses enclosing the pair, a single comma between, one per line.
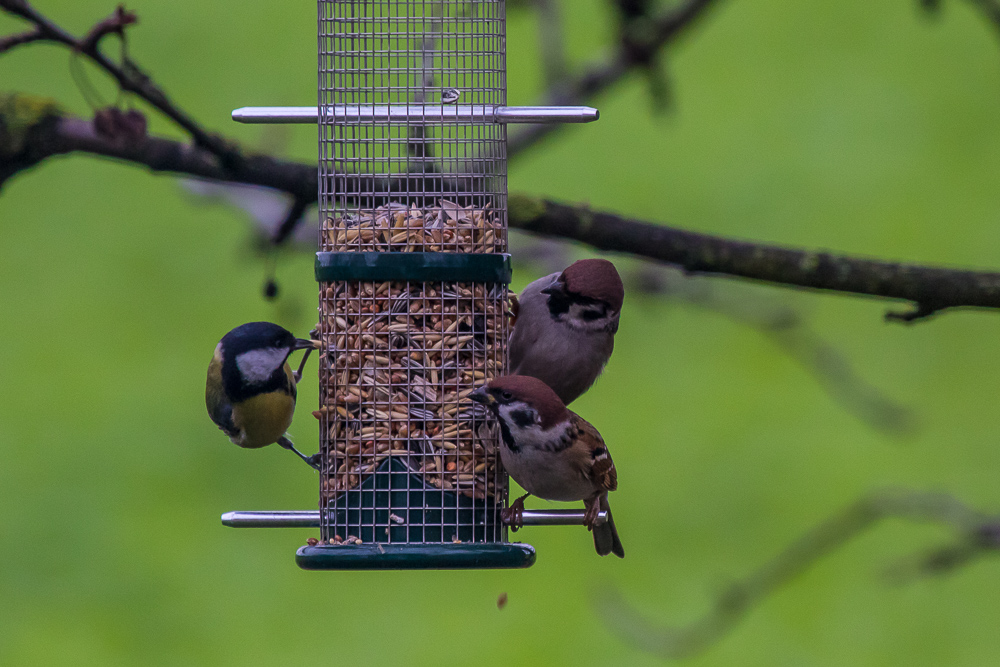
(591,315)
(506,395)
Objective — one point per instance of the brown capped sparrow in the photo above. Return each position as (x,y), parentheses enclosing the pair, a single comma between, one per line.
(552,453)
(565,325)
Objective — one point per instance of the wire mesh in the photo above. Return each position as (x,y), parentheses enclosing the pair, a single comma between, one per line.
(405,457)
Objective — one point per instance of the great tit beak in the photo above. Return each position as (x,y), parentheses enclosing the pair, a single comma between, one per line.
(482,396)
(306,344)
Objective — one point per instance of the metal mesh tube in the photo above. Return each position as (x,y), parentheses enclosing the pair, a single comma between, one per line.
(405,457)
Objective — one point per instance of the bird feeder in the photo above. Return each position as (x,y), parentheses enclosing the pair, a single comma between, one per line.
(413,272)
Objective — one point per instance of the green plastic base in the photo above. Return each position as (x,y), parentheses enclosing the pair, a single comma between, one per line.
(464,556)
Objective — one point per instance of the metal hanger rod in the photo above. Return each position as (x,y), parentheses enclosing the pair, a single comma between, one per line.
(310,518)
(352,114)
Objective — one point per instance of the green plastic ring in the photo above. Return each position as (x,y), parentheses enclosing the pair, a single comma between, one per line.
(422,266)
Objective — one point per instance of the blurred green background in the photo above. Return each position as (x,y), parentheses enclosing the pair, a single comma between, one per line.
(856,126)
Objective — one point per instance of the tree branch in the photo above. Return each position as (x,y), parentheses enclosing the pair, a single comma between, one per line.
(933,289)
(128,74)
(33,130)
(977,536)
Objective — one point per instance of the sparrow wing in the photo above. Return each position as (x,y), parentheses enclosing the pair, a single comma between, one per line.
(593,455)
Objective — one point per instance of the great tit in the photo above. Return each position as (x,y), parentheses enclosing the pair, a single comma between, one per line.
(250,393)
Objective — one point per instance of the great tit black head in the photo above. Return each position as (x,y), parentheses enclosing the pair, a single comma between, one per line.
(253,357)
(250,391)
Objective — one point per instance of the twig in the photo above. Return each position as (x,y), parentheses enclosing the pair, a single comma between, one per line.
(743,596)
(602,74)
(113,25)
(990,9)
(551,45)
(287,226)
(9,42)
(788,329)
(129,75)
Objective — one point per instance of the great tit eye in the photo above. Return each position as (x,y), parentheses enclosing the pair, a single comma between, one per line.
(506,395)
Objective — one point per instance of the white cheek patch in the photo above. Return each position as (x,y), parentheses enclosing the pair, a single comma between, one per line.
(574,317)
(257,366)
(530,435)
(519,417)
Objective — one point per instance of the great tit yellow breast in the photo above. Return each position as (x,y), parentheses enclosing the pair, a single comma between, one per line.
(263,418)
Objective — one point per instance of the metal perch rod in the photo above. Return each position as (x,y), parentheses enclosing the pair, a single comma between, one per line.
(420,113)
(310,518)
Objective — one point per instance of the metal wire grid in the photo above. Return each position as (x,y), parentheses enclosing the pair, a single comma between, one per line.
(407,356)
(411,52)
(401,357)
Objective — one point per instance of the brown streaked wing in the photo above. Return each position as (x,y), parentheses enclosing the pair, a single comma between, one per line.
(601,467)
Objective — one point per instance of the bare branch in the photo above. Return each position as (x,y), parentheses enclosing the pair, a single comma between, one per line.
(9,42)
(934,289)
(640,50)
(50,134)
(129,75)
(113,25)
(976,530)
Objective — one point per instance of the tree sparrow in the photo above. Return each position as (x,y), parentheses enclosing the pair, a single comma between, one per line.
(552,453)
(565,325)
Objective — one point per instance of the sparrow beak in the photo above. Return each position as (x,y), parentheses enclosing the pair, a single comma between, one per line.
(306,344)
(482,396)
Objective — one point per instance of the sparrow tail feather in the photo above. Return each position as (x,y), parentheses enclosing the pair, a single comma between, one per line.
(606,539)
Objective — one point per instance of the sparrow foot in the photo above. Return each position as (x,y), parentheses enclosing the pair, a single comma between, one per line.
(593,506)
(513,516)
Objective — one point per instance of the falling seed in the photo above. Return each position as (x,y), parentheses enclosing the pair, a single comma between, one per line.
(502,600)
